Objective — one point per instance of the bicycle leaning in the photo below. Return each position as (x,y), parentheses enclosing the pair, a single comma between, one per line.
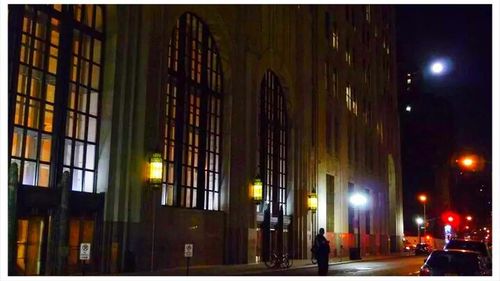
(279,261)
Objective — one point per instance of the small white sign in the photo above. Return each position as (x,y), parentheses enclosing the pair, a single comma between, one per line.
(188,250)
(85,251)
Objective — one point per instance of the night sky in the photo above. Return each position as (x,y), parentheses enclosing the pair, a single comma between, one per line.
(462,34)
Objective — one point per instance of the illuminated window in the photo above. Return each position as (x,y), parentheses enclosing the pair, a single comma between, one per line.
(273,142)
(39,62)
(192,144)
(335,37)
(348,57)
(84,92)
(350,100)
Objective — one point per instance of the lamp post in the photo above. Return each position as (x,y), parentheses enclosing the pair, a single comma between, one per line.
(419,222)
(358,200)
(155,178)
(312,205)
(256,190)
(423,198)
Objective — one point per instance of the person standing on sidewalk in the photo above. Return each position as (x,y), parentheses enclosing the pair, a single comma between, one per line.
(322,252)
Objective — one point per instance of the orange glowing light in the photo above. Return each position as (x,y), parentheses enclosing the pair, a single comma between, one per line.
(469,218)
(422,198)
(427,237)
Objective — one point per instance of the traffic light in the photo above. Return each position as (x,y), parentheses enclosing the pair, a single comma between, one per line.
(450,218)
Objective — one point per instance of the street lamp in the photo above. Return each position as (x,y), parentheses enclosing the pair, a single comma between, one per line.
(256,190)
(358,200)
(468,218)
(423,198)
(312,201)
(312,205)
(419,221)
(155,178)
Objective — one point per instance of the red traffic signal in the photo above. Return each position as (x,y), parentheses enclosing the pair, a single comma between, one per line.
(450,218)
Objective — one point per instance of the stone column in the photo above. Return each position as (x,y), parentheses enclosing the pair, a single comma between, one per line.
(61,227)
(12,214)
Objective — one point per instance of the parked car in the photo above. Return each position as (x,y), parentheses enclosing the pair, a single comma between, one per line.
(422,249)
(472,245)
(454,263)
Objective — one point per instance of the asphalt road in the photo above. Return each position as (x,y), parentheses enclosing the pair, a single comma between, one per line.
(400,266)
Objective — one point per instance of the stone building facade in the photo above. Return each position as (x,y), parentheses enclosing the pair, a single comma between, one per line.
(302,96)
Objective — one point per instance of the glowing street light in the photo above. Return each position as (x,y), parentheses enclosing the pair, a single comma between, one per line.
(423,198)
(419,222)
(437,67)
(358,200)
(468,218)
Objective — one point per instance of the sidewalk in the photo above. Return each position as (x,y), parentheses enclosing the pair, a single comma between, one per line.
(245,269)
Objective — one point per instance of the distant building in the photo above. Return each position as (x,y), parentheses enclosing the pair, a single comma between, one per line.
(302,96)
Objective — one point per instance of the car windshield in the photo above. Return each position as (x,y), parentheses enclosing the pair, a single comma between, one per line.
(453,262)
(468,245)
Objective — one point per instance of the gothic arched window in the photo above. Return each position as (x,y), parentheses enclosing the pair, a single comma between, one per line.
(273,142)
(193,118)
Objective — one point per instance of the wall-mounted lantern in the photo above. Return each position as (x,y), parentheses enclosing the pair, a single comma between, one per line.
(155,168)
(312,201)
(256,190)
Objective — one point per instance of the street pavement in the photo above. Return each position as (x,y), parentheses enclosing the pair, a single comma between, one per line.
(394,266)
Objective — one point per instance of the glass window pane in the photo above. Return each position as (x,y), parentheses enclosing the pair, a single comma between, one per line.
(19,114)
(22,80)
(93,103)
(17,140)
(36,84)
(48,118)
(45,148)
(79,151)
(96,70)
(43,175)
(18,162)
(89,182)
(31,144)
(77,180)
(82,100)
(92,129)
(67,151)
(84,72)
(87,19)
(69,123)
(86,46)
(90,157)
(97,51)
(72,96)
(80,126)
(33,114)
(51,89)
(98,19)
(29,173)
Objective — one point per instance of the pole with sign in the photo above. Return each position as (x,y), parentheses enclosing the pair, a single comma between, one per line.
(188,253)
(84,255)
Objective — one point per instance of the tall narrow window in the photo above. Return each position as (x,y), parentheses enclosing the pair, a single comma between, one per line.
(84,91)
(273,142)
(335,37)
(41,86)
(193,118)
